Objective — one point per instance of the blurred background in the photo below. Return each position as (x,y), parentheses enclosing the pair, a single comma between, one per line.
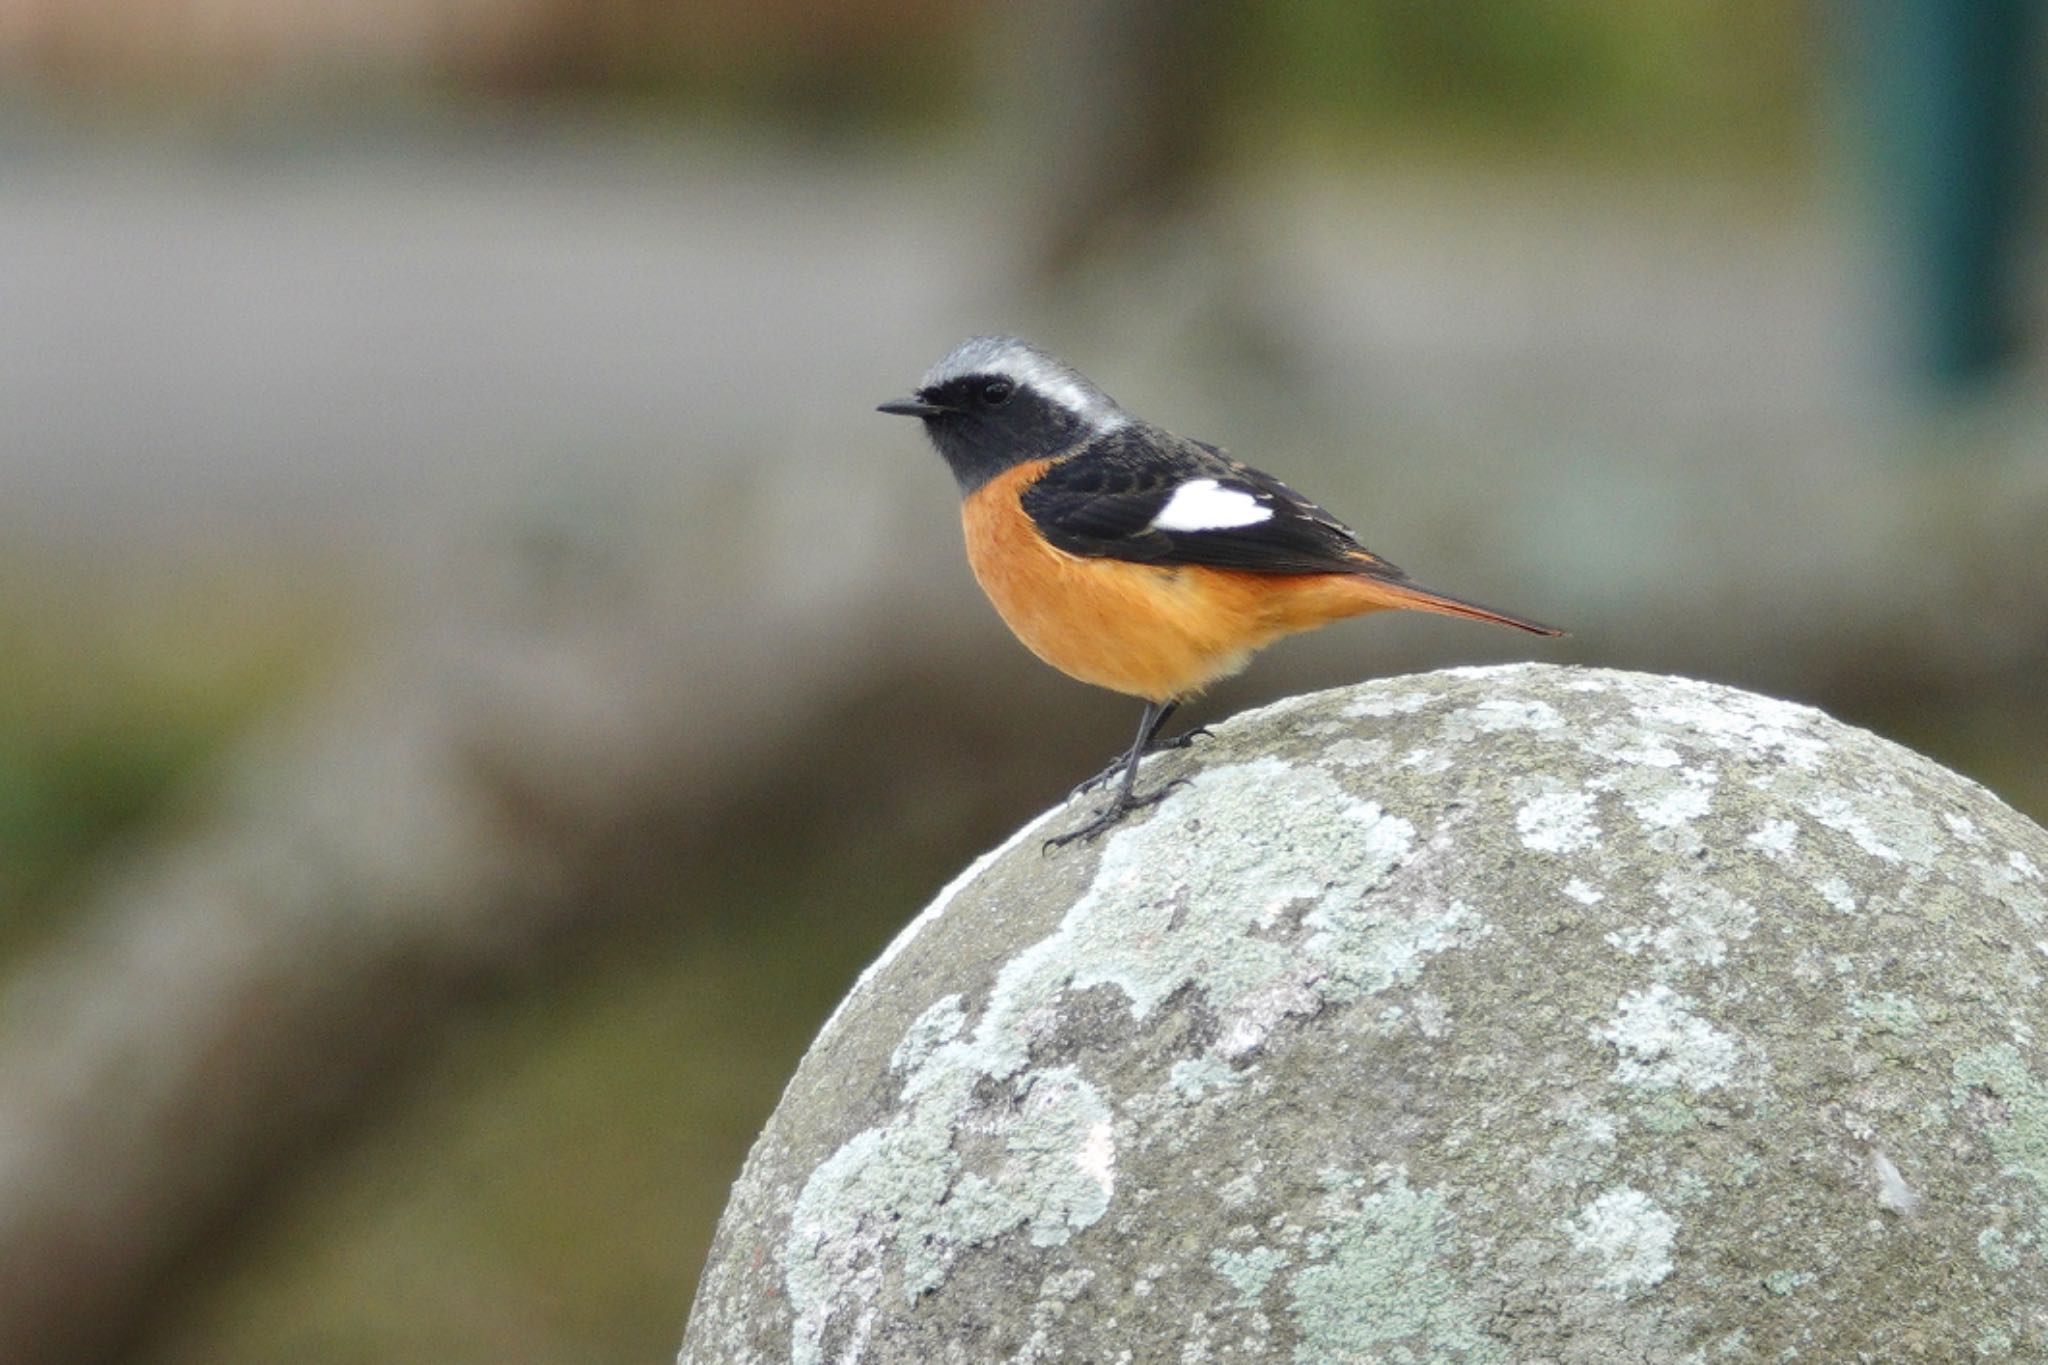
(477,679)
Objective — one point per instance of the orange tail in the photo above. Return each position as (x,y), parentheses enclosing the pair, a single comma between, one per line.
(1414,597)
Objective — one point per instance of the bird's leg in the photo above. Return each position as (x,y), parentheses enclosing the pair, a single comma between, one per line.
(1148,730)
(1127,799)
(1148,741)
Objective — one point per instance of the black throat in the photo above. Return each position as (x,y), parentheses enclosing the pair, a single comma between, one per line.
(977,443)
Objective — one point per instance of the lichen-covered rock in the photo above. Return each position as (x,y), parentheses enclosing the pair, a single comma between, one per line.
(1514,1014)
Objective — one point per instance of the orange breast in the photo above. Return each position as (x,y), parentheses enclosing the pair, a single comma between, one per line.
(1152,631)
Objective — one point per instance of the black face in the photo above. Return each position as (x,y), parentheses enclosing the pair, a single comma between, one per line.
(983,424)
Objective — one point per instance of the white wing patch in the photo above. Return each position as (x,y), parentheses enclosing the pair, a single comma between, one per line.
(1206,505)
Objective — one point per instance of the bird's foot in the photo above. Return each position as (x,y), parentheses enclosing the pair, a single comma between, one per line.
(1185,740)
(1112,814)
(1115,769)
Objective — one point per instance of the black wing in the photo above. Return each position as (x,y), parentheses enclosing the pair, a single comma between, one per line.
(1110,499)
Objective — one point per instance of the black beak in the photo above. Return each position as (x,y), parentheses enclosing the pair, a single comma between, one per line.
(910,407)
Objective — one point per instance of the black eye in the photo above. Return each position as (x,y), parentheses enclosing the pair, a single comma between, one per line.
(996,392)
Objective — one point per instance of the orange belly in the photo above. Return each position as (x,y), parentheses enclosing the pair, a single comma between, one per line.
(1152,631)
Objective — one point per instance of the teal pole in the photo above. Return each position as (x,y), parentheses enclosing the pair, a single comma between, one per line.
(1948,90)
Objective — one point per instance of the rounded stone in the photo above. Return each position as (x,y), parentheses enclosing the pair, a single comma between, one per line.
(1512,1014)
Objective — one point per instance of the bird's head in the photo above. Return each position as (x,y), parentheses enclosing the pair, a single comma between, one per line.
(997,402)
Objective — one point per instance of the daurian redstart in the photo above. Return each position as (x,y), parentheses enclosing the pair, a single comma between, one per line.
(1132,558)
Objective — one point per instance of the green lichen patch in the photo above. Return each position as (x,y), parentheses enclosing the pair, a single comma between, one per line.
(1783,1282)
(1249,1272)
(1383,1286)
(1888,1012)
(1662,1042)
(2018,1133)
(1195,1078)
(1996,1251)
(1627,1236)
(899,1203)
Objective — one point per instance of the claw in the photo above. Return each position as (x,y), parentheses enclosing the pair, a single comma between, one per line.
(1127,800)
(1184,740)
(1092,783)
(1112,815)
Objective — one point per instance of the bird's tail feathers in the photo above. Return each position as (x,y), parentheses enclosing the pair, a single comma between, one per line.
(1402,593)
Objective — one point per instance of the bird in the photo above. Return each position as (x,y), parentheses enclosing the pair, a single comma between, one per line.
(1131,558)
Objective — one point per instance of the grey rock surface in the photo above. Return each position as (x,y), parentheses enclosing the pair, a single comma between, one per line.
(1511,1014)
